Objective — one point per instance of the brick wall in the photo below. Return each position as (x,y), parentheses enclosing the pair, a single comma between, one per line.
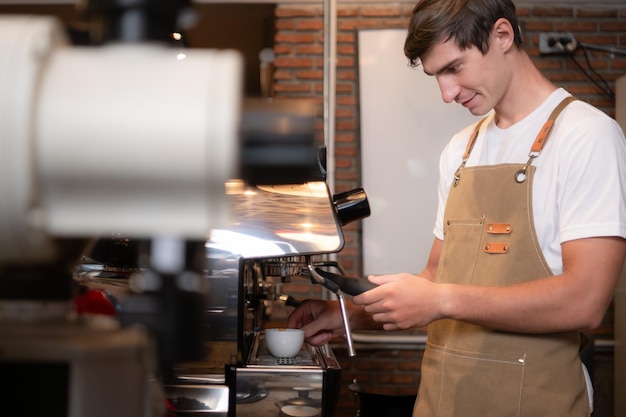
(299,73)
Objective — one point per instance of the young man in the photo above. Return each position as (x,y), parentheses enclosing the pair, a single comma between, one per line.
(530,235)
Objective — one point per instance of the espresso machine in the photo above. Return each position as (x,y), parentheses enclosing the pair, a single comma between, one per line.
(279,233)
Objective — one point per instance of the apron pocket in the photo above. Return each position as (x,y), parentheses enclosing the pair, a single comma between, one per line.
(458,383)
(462,245)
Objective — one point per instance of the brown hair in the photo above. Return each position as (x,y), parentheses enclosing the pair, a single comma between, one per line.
(467,22)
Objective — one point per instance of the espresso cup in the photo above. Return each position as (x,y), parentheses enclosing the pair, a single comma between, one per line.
(283,342)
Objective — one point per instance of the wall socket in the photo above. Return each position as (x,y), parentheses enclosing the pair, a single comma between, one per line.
(551,43)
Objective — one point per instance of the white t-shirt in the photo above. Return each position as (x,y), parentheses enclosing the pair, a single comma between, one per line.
(579,188)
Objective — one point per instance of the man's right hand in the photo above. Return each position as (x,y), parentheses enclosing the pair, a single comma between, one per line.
(320,320)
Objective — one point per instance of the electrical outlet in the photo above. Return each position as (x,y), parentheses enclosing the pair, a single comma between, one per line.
(551,43)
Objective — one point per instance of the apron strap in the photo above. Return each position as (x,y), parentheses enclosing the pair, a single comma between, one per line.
(542,137)
(535,149)
(472,139)
(468,150)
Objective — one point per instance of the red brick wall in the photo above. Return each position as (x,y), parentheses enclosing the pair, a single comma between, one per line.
(299,73)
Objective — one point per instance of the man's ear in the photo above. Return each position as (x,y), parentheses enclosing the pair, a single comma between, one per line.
(504,34)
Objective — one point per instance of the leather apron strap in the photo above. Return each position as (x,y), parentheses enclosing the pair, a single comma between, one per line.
(472,371)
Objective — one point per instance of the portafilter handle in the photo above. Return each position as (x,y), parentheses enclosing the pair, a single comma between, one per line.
(342,305)
(349,285)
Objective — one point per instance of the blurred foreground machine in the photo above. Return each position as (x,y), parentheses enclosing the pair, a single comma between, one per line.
(138,139)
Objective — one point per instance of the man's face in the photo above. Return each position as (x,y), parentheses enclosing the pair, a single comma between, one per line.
(468,77)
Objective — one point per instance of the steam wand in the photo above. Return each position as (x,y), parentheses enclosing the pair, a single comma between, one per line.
(319,279)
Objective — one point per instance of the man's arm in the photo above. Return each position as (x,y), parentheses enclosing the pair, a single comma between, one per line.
(577,299)
(574,300)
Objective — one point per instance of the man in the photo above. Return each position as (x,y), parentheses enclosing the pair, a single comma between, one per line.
(530,235)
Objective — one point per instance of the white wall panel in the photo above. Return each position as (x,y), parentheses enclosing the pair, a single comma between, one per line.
(404,126)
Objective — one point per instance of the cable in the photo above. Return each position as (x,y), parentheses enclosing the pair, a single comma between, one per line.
(608,49)
(605,88)
(606,84)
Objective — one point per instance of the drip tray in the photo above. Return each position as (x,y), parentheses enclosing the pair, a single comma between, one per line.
(302,359)
(286,361)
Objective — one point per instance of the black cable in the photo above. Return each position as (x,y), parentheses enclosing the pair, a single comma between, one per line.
(608,93)
(606,89)
(606,84)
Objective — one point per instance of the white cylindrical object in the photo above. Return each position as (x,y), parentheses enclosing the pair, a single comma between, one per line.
(26,43)
(138,140)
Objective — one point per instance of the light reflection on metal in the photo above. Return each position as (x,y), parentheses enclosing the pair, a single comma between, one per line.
(279,220)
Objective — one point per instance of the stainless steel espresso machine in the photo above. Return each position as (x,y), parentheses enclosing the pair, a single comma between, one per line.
(283,224)
(280,233)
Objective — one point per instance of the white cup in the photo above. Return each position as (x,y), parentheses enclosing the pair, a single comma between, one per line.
(283,342)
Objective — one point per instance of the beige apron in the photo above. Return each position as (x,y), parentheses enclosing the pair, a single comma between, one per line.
(489,239)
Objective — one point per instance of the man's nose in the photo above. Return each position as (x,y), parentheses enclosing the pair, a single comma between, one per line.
(449,90)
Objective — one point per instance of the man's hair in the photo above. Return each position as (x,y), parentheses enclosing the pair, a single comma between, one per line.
(466,22)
